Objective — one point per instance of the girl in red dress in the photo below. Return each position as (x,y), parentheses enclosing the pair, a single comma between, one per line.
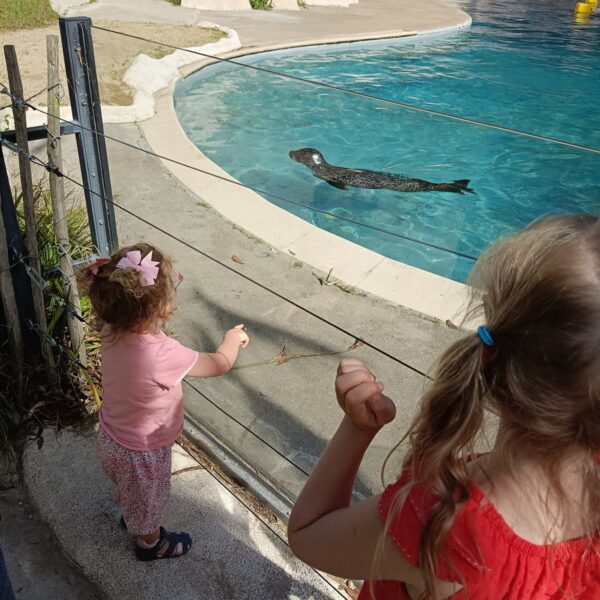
(521,522)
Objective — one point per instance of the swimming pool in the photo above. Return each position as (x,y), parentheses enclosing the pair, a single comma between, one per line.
(526,66)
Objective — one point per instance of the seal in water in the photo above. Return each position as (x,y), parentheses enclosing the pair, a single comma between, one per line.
(342,178)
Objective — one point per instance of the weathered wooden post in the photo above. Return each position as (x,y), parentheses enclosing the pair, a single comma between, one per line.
(57,193)
(33,258)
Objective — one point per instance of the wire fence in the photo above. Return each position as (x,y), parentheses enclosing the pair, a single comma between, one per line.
(39,280)
(262,192)
(364,95)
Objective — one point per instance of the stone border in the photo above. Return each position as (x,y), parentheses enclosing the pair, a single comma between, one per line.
(353,264)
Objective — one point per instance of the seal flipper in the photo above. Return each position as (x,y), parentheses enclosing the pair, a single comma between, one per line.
(463,184)
(336,184)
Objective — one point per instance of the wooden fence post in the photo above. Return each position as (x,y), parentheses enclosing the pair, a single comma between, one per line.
(14,78)
(57,192)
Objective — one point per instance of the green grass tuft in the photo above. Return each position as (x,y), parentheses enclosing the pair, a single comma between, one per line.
(261,4)
(26,14)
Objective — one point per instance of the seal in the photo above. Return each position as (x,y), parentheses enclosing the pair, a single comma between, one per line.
(343,178)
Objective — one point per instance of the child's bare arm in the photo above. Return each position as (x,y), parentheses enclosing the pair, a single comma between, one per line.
(219,362)
(324,530)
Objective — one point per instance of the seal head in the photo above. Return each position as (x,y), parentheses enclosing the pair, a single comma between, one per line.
(310,157)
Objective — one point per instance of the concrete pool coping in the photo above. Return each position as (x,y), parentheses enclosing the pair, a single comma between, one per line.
(352,264)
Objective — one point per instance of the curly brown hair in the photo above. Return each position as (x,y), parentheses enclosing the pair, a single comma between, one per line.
(119,299)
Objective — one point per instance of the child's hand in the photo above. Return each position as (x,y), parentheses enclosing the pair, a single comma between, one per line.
(359,395)
(238,330)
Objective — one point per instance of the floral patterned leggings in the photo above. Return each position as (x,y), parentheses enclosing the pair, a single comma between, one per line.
(141,482)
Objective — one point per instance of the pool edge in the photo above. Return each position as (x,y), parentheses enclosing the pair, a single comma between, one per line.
(356,266)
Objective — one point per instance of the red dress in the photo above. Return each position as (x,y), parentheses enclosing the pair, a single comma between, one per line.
(496,564)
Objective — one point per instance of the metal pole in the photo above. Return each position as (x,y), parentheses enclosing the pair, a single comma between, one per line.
(78,51)
(21,282)
(9,300)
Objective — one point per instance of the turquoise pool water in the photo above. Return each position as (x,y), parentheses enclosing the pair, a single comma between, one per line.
(526,66)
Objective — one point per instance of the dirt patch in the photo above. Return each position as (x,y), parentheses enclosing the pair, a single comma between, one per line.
(114,54)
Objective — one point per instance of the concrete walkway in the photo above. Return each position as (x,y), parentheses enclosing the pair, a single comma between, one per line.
(235,556)
(36,566)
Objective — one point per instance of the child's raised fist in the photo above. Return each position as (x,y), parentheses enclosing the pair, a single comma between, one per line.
(359,394)
(240,332)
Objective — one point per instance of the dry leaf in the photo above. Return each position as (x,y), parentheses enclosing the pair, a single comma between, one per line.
(282,357)
(450,324)
(321,279)
(237,259)
(325,280)
(291,252)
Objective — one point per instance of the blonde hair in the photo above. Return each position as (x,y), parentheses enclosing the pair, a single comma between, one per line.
(120,301)
(539,292)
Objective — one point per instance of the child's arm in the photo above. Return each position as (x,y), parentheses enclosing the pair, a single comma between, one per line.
(324,530)
(219,362)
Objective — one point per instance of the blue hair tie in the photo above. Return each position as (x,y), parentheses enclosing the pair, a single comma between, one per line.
(485,336)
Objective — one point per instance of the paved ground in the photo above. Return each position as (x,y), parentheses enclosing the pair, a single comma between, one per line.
(37,567)
(235,556)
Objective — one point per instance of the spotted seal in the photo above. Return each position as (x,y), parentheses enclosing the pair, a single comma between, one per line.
(342,178)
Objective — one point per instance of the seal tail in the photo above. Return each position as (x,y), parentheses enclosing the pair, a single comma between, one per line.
(458,186)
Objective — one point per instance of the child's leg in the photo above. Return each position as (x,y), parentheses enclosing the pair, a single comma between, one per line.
(145,490)
(108,457)
(143,483)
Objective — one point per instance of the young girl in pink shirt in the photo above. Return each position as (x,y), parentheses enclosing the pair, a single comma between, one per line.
(132,294)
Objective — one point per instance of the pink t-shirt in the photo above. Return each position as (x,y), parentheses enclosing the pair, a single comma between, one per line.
(142,406)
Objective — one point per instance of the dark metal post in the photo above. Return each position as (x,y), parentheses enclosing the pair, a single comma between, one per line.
(78,51)
(21,281)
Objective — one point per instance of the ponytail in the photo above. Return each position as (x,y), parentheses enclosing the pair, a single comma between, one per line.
(442,436)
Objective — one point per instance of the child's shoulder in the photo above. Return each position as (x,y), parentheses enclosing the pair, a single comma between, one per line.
(480,538)
(129,341)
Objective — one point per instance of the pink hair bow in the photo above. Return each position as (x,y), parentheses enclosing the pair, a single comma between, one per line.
(146,267)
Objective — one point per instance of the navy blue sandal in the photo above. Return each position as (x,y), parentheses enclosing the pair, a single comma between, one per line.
(172,539)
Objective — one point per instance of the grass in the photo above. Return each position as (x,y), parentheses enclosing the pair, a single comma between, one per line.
(25,14)
(261,4)
(249,235)
(175,2)
(28,405)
